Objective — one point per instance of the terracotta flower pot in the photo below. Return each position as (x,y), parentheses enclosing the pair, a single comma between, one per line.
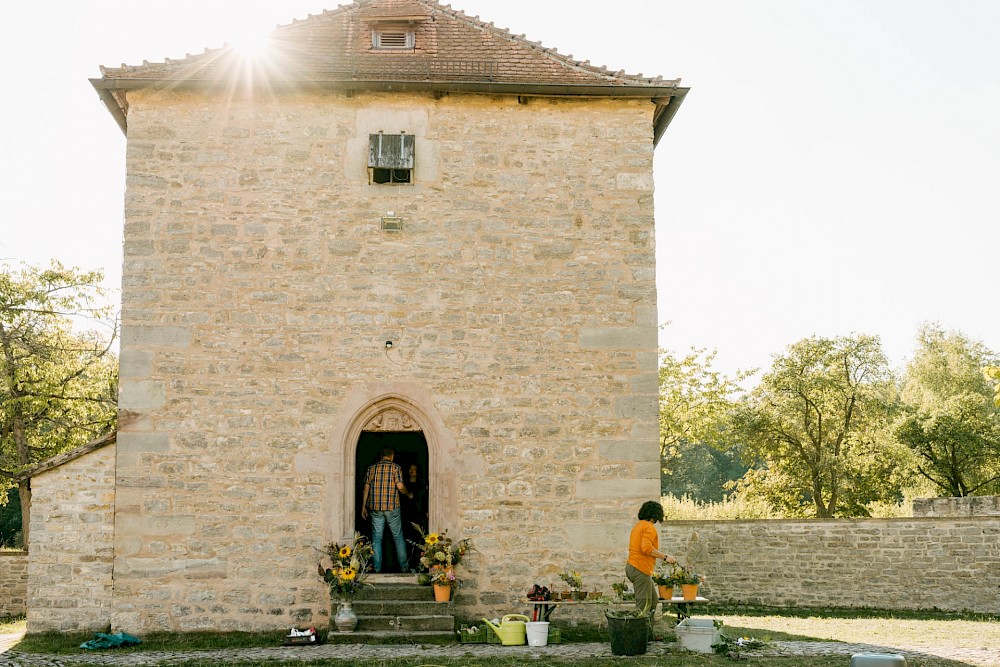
(666,592)
(442,592)
(689,591)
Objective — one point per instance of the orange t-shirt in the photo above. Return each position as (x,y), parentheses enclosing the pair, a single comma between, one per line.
(641,543)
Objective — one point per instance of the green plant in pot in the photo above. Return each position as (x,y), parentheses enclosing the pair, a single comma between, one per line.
(689,581)
(628,630)
(575,583)
(665,582)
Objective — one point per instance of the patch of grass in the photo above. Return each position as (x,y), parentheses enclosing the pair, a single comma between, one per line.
(69,642)
(844,612)
(12,624)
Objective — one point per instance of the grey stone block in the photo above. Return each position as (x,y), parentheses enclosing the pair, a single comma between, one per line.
(619,338)
(155,336)
(141,395)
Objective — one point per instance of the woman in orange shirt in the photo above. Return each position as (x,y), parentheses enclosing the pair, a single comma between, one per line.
(643,552)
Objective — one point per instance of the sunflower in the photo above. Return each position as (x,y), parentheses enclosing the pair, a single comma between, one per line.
(345,551)
(347,574)
(432,539)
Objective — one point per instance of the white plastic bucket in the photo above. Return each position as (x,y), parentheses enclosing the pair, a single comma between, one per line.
(698,634)
(538,633)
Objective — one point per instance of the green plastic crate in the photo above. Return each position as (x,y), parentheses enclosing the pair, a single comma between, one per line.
(477,637)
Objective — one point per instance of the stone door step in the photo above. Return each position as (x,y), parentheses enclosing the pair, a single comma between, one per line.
(389,636)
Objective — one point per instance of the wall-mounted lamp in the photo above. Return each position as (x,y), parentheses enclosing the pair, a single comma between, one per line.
(392,222)
(388,344)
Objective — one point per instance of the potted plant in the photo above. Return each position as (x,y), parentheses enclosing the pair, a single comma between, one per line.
(575,583)
(444,581)
(623,592)
(665,583)
(628,630)
(689,581)
(346,576)
(439,555)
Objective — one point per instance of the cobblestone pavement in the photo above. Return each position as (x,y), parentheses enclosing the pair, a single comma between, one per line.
(10,657)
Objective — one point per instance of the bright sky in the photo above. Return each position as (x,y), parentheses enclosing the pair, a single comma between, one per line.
(833,170)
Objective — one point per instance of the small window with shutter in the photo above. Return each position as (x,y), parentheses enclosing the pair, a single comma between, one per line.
(392,37)
(390,158)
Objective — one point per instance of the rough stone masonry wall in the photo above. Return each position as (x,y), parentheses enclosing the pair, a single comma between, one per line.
(259,291)
(922,563)
(72,534)
(13,583)
(966,506)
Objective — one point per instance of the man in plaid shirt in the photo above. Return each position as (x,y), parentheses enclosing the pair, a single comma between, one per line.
(383,484)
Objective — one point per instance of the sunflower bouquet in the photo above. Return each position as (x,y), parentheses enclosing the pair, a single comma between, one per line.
(440,552)
(349,567)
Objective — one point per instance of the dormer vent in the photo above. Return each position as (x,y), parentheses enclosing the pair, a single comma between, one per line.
(393,37)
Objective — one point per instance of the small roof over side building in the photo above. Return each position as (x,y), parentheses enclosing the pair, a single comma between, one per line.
(67,456)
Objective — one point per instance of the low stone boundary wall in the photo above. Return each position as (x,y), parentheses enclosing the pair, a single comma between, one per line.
(949,564)
(13,583)
(967,506)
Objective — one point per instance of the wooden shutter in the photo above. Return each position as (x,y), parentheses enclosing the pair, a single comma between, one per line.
(390,151)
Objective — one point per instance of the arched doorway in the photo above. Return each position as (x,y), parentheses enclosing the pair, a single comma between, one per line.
(392,407)
(395,429)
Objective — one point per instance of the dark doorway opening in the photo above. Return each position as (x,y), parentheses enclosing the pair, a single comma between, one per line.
(411,450)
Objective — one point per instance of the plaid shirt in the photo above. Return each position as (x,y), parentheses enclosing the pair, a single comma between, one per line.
(381,480)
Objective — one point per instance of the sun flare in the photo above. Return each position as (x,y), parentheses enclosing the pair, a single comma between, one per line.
(251,43)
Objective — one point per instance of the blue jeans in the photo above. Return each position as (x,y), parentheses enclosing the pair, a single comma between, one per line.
(395,520)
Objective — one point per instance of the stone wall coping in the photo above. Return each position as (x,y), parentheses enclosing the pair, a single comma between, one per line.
(844,520)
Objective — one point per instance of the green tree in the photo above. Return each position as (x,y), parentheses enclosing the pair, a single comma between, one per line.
(816,423)
(58,389)
(993,373)
(10,521)
(950,420)
(695,401)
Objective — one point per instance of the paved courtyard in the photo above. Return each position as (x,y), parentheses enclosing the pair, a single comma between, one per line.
(10,657)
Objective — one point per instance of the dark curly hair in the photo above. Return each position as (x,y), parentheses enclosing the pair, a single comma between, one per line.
(651,511)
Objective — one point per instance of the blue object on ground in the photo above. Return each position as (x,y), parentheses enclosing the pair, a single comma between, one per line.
(102,640)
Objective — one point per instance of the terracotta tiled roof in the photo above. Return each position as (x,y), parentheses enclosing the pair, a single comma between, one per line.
(452,52)
(338,44)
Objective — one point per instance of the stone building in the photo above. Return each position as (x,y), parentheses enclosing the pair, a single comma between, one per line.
(400,226)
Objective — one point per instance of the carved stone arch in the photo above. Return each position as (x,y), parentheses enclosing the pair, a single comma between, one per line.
(390,409)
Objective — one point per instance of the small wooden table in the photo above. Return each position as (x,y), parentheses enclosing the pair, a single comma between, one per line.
(682,605)
(542,609)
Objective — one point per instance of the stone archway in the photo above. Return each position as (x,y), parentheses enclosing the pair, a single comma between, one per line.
(403,407)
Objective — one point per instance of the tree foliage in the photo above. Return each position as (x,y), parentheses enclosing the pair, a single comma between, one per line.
(950,420)
(58,388)
(816,425)
(993,373)
(694,404)
(10,521)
